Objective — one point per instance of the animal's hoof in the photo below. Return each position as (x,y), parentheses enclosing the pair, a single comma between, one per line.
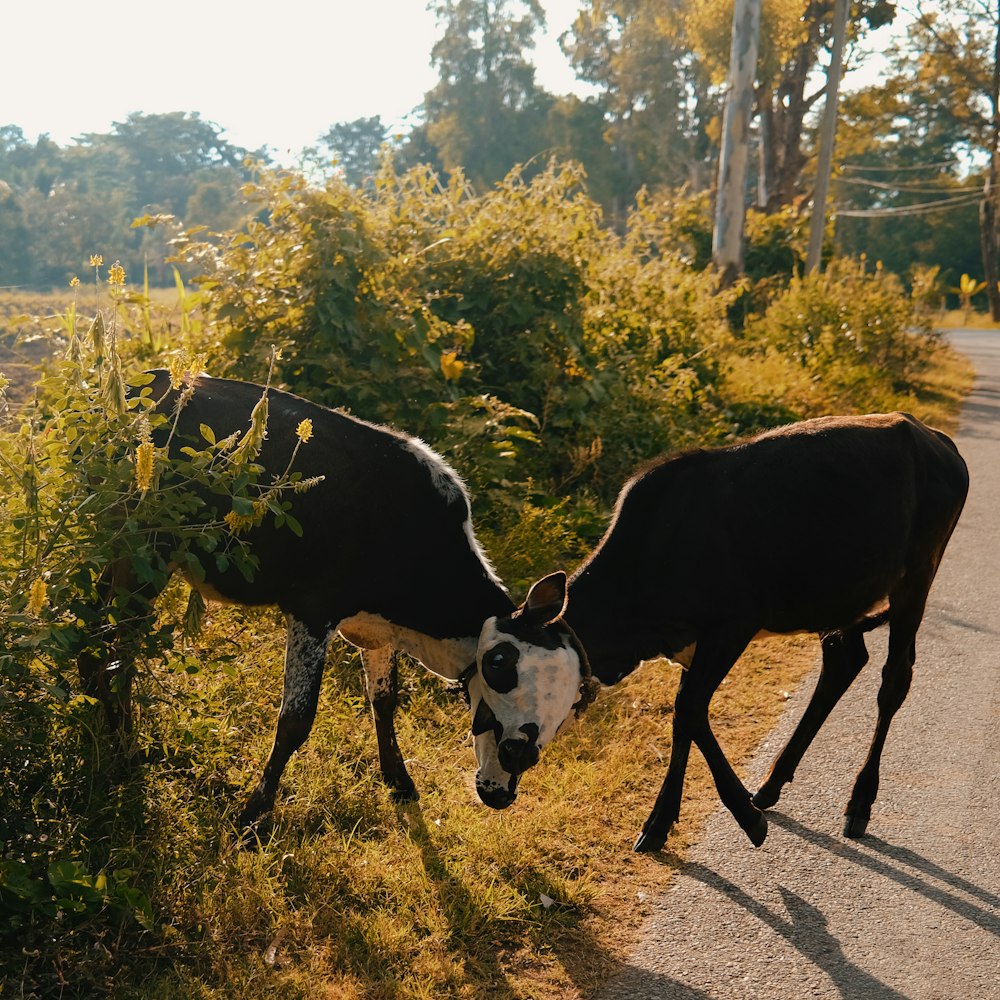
(855,825)
(766,796)
(401,795)
(648,843)
(252,834)
(253,813)
(757,831)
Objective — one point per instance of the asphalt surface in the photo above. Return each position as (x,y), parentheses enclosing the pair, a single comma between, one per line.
(911,911)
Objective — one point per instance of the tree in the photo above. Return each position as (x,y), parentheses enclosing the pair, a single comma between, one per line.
(654,92)
(67,203)
(486,113)
(356,146)
(164,153)
(937,110)
(795,38)
(727,240)
(827,136)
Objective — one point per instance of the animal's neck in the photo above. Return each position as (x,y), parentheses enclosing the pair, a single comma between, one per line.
(447,658)
(614,627)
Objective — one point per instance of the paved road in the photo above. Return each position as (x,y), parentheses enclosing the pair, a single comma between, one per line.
(912,910)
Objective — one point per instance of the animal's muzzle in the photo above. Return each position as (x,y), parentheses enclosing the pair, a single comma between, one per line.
(516,756)
(497,796)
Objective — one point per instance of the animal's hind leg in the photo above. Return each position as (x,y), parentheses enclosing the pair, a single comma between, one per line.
(844,654)
(305,656)
(380,682)
(896,676)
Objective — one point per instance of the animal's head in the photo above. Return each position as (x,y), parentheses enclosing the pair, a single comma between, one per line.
(531,680)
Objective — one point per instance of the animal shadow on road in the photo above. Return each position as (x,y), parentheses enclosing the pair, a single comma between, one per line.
(805,928)
(925,873)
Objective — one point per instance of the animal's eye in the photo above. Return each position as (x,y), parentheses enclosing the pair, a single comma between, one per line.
(499,667)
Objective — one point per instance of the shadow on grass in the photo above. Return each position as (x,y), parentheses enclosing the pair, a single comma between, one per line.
(576,952)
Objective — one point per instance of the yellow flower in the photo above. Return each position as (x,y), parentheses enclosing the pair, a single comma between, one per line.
(116,276)
(182,366)
(96,260)
(451,367)
(38,596)
(144,455)
(253,440)
(238,523)
(74,281)
(304,430)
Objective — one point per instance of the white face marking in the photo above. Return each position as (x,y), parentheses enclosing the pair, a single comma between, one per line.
(493,784)
(546,689)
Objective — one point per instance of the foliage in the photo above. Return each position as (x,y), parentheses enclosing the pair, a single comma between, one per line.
(849,328)
(355,147)
(62,202)
(486,113)
(87,485)
(653,91)
(546,357)
(513,314)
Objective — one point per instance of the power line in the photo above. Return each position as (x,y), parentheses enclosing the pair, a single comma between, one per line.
(916,166)
(915,189)
(923,208)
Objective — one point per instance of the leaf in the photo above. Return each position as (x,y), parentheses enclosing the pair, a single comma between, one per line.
(207,433)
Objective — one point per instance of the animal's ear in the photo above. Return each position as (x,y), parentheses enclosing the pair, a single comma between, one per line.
(546,601)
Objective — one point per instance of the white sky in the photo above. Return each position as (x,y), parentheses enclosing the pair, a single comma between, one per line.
(275,74)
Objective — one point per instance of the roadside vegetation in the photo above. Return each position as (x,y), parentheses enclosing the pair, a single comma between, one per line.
(545,356)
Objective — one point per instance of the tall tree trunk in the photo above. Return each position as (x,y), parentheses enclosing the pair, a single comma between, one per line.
(828,134)
(730,209)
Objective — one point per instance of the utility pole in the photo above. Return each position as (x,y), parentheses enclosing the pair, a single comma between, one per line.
(730,205)
(828,132)
(989,236)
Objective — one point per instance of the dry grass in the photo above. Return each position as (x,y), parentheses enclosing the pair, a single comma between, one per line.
(441,898)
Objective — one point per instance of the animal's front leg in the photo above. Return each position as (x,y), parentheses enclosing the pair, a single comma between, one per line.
(305,656)
(667,808)
(714,657)
(380,682)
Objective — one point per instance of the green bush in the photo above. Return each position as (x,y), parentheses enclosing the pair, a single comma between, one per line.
(852,329)
(87,486)
(510,327)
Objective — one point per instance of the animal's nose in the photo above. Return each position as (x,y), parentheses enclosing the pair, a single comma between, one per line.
(496,797)
(516,756)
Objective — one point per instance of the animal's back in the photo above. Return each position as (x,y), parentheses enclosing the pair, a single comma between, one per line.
(386,514)
(806,527)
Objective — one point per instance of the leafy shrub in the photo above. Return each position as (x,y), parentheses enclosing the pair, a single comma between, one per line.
(851,329)
(85,487)
(510,327)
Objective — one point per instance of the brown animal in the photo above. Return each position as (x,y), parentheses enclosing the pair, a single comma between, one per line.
(832,526)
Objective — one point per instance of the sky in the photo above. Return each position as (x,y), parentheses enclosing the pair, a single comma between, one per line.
(277,74)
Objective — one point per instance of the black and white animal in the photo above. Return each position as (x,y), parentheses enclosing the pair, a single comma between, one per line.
(387,558)
(832,526)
